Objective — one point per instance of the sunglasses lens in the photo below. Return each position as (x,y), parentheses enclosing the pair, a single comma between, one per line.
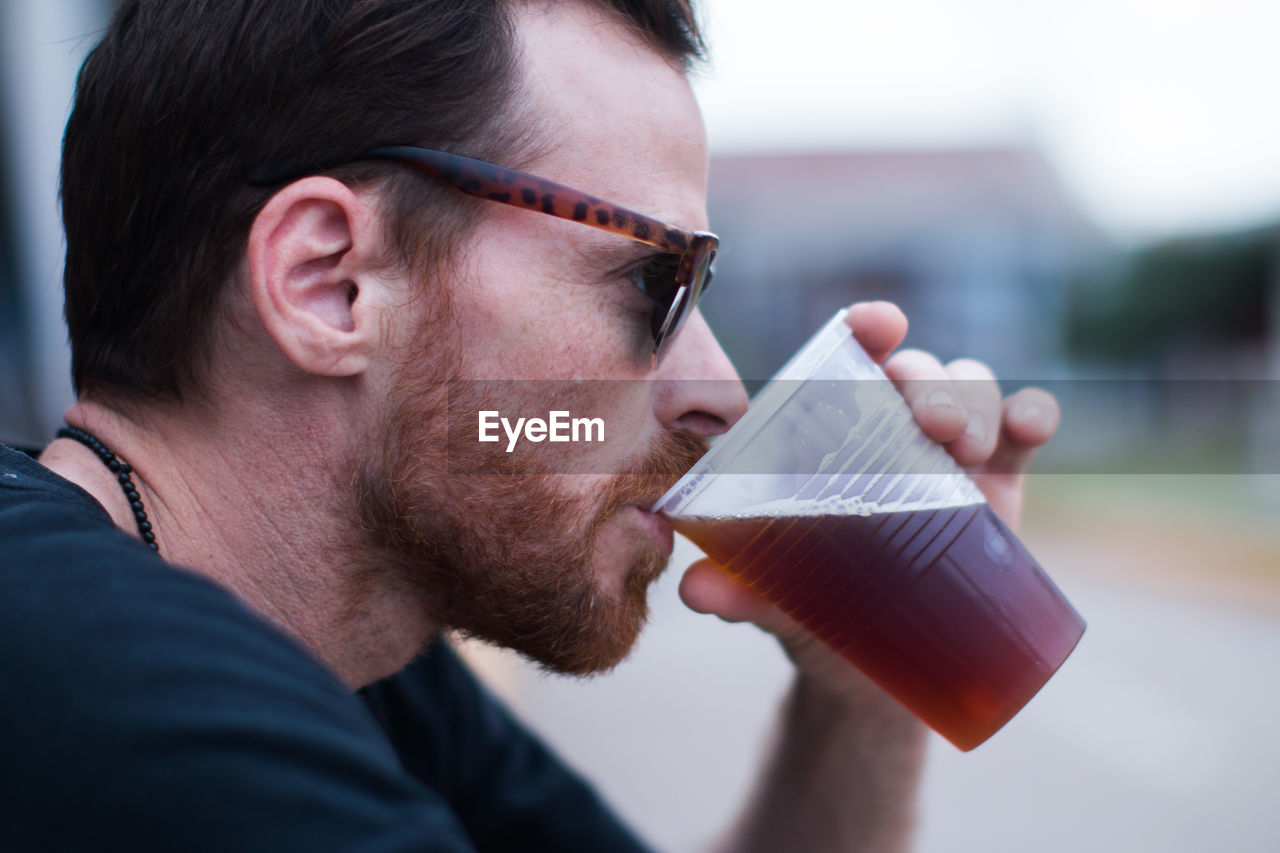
(657,280)
(705,273)
(669,315)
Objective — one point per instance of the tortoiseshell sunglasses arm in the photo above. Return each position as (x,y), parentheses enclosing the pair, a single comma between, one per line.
(510,186)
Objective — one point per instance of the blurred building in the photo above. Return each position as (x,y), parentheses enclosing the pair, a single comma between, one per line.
(14,392)
(42,43)
(977,245)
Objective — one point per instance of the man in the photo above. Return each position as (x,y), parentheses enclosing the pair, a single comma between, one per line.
(268,310)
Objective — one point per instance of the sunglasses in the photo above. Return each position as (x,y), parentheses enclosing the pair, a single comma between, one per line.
(674,281)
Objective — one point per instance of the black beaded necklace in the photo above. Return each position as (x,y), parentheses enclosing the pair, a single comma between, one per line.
(122,470)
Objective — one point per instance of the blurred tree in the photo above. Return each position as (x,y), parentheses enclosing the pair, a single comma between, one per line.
(1197,290)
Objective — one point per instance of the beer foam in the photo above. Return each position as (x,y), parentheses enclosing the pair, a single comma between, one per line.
(895,468)
(773,496)
(830,435)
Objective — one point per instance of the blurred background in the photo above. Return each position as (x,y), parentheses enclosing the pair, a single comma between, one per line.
(1087,196)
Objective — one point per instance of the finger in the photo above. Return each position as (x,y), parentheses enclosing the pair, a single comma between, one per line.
(708,588)
(1030,419)
(929,391)
(878,327)
(980,395)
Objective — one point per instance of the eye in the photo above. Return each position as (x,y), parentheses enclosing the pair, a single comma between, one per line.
(708,272)
(655,276)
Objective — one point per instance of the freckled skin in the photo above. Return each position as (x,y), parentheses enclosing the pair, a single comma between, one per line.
(645,150)
(521,311)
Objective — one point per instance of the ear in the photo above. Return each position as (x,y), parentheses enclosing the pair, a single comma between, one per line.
(309,257)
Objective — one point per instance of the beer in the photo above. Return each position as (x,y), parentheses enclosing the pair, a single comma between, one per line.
(941,606)
(828,500)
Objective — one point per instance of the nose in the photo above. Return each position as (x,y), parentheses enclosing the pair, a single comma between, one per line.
(698,389)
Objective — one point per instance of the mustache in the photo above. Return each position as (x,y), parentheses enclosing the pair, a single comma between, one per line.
(673,453)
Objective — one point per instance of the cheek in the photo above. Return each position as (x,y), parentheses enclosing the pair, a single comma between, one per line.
(518,319)
(599,427)
(523,309)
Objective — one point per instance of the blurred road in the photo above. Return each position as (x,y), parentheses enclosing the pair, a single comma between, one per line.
(1157,735)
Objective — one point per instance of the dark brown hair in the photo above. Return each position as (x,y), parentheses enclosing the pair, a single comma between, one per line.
(181,103)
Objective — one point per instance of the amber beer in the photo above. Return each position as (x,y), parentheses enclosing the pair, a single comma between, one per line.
(942,607)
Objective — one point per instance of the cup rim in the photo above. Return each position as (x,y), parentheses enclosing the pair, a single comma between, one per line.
(776,392)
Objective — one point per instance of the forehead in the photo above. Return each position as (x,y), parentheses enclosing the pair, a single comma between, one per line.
(611,117)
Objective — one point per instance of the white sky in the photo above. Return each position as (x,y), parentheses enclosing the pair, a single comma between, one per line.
(1162,115)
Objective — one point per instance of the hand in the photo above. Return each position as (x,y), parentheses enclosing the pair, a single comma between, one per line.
(957,405)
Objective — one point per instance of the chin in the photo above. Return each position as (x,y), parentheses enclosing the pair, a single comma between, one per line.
(605,632)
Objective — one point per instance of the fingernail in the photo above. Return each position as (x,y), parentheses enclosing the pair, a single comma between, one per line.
(941,398)
(1032,413)
(977,428)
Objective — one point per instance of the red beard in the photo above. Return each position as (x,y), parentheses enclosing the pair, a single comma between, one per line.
(510,558)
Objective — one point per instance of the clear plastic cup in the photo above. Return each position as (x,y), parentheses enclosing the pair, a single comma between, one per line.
(828,500)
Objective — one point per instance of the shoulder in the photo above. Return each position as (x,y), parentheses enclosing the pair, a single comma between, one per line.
(145,704)
(507,787)
(77,592)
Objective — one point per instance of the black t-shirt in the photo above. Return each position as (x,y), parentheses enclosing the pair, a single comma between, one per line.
(144,707)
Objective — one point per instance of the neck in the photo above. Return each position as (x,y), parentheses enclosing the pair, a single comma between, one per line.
(265,514)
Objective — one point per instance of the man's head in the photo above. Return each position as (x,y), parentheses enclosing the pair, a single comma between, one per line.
(182,102)
(356,304)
